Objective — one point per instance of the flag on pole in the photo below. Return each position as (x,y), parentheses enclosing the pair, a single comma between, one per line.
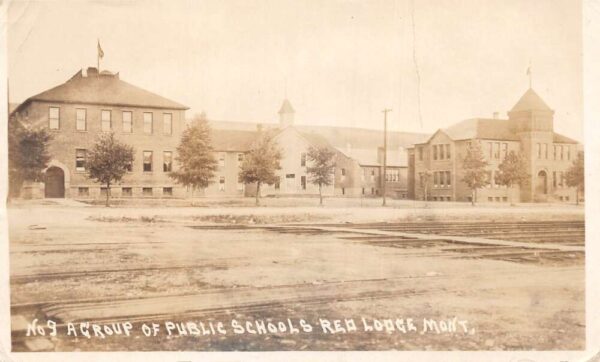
(100,52)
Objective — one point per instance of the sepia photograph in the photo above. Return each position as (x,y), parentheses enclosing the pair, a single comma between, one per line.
(300,176)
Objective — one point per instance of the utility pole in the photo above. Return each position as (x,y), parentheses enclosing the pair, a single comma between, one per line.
(384,181)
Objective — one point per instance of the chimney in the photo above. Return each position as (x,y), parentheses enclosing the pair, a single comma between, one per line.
(496,115)
(92,71)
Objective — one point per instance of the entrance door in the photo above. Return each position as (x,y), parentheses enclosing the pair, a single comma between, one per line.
(55,183)
(542,183)
(290,182)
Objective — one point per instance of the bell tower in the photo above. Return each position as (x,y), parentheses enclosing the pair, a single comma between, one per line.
(286,114)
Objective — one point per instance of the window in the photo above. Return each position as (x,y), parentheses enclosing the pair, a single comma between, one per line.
(222,183)
(240,186)
(80,119)
(303,182)
(539,150)
(435,179)
(566,198)
(129,166)
(83,191)
(126,192)
(167,191)
(372,175)
(441,148)
(278,183)
(491,149)
(490,199)
(303,159)
(147,161)
(555,147)
(222,159)
(442,179)
(496,184)
(54,118)
(504,150)
(127,122)
(80,156)
(489,179)
(105,118)
(392,175)
(103,191)
(148,122)
(554,183)
(343,191)
(343,171)
(561,177)
(147,191)
(448,178)
(435,152)
(363,190)
(560,150)
(568,152)
(240,157)
(497,150)
(504,198)
(372,191)
(167,123)
(420,149)
(545,150)
(167,161)
(497,198)
(448,154)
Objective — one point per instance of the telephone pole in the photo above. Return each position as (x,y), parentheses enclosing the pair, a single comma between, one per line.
(384,181)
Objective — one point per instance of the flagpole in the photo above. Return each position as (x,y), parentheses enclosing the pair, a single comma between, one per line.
(98,55)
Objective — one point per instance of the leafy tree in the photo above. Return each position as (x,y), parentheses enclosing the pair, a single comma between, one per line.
(512,171)
(108,161)
(322,165)
(197,163)
(474,166)
(28,154)
(575,176)
(261,163)
(425,183)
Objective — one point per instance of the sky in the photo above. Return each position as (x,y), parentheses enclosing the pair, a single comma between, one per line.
(433,62)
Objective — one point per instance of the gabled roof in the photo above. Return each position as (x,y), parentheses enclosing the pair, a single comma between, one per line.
(530,101)
(105,89)
(286,107)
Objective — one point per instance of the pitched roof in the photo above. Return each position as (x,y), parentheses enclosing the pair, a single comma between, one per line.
(530,101)
(342,137)
(232,140)
(286,107)
(482,128)
(105,88)
(558,138)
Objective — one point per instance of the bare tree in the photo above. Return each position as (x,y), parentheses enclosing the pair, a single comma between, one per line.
(425,183)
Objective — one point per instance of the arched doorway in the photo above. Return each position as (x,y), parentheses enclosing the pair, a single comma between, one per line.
(542,182)
(54,183)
